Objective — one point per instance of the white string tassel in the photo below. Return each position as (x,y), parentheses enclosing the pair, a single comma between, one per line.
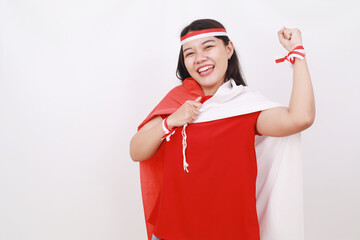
(168,136)
(184,147)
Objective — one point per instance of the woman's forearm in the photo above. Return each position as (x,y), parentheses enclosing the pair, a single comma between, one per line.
(147,141)
(302,103)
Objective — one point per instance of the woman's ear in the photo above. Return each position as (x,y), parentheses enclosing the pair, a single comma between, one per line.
(230,49)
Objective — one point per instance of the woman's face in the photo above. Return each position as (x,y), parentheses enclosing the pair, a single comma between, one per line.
(206,60)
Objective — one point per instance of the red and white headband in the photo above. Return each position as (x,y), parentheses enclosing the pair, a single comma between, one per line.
(203,33)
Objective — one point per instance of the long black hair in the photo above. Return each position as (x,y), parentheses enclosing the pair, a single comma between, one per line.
(233,71)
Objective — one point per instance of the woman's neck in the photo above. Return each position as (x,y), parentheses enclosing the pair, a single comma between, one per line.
(211,90)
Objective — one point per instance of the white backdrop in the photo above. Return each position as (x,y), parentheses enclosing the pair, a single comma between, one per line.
(77,77)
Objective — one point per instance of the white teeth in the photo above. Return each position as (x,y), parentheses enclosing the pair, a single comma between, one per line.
(205,68)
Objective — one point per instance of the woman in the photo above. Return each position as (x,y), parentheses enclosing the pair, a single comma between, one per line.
(204,176)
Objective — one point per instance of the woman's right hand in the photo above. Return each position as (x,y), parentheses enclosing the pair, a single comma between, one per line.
(146,142)
(187,113)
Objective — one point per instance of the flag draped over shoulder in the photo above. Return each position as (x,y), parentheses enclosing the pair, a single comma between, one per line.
(279,189)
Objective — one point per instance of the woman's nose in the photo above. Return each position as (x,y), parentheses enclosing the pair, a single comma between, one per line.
(200,57)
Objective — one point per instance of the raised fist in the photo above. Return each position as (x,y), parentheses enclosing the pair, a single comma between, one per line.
(290,38)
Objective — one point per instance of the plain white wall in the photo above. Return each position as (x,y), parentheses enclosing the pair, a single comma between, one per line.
(77,77)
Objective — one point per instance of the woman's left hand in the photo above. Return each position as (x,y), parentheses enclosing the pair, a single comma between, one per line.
(290,38)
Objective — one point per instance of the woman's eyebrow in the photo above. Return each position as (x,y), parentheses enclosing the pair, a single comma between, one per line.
(210,40)
(186,49)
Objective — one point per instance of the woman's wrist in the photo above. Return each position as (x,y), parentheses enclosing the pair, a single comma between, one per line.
(297,52)
(294,46)
(168,123)
(167,130)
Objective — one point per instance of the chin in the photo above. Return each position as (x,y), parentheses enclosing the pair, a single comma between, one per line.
(209,84)
(210,80)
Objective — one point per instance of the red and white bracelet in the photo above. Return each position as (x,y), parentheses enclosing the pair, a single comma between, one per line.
(167,131)
(297,52)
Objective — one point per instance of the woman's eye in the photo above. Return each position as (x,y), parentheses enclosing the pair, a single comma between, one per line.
(188,54)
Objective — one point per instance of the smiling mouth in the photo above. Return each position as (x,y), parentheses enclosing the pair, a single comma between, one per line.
(205,69)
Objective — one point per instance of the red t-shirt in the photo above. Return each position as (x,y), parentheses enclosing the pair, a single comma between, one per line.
(216,199)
